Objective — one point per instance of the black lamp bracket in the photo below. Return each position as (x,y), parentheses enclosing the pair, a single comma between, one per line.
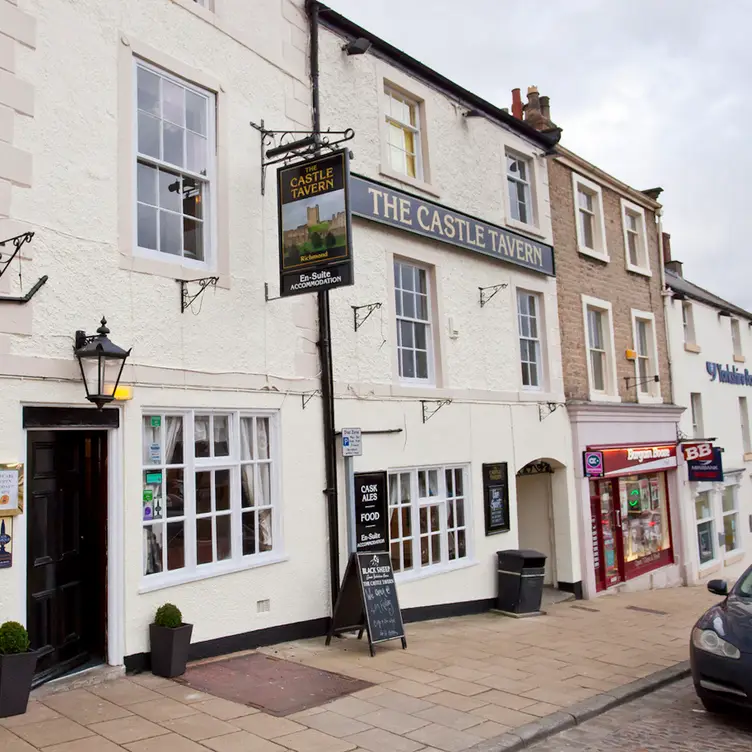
(360,318)
(186,299)
(5,260)
(283,146)
(486,293)
(308,396)
(431,407)
(651,380)
(546,408)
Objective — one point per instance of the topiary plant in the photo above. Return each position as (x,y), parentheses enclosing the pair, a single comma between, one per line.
(168,616)
(13,638)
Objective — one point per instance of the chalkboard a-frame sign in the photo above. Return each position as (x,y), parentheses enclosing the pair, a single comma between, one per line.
(496,498)
(368,601)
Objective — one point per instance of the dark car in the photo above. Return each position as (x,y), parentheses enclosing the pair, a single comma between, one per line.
(721,648)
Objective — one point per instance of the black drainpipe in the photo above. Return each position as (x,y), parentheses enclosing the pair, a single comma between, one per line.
(325,343)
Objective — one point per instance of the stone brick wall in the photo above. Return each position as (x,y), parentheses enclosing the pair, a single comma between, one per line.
(579,275)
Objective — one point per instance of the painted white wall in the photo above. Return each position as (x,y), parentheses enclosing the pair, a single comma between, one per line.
(721,421)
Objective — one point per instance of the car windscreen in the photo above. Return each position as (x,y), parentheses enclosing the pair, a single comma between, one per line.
(744,588)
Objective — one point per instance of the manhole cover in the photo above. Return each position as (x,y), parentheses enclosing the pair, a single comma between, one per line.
(274,685)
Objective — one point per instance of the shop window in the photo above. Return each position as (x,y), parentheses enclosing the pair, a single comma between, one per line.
(414,335)
(519,187)
(529,320)
(695,402)
(404,134)
(208,502)
(428,518)
(731,518)
(644,507)
(705,527)
(175,155)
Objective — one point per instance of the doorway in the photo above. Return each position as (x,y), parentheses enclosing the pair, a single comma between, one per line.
(67,549)
(535,513)
(607,535)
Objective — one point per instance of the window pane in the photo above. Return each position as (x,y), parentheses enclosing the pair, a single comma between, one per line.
(729,503)
(265,530)
(459,483)
(172,143)
(169,191)
(192,198)
(599,381)
(406,334)
(148,135)
(702,505)
(460,505)
(397,158)
(221,436)
(394,551)
(201,435)
(173,102)
(196,152)
(421,365)
(246,438)
(195,112)
(407,522)
(175,493)
(249,533)
(262,438)
(224,537)
(147,227)
(174,439)
(147,184)
(153,544)
(175,546)
(422,307)
(461,545)
(151,437)
(433,482)
(203,493)
(170,236)
(405,495)
(423,517)
(435,549)
(408,366)
(193,239)
(705,542)
(264,491)
(148,91)
(449,479)
(246,486)
(407,554)
(204,553)
(222,490)
(729,532)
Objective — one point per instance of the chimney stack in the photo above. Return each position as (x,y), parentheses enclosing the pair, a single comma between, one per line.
(536,113)
(516,104)
(673,266)
(545,107)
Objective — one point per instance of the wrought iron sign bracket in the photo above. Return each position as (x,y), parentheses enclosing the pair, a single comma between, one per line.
(546,408)
(651,380)
(429,412)
(5,260)
(306,398)
(536,468)
(486,293)
(360,318)
(186,299)
(680,435)
(282,146)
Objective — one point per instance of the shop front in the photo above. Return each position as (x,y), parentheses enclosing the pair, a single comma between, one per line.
(630,511)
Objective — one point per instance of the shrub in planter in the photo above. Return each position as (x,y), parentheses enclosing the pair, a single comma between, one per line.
(17,664)
(170,640)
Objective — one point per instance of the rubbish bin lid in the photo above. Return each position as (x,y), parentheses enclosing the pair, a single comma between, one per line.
(522,553)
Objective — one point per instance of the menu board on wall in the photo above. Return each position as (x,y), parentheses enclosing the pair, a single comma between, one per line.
(496,498)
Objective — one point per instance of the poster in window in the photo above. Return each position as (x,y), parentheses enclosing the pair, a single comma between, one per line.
(11,488)
(496,498)
(315,242)
(6,542)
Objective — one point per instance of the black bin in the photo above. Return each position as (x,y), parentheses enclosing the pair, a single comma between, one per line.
(520,574)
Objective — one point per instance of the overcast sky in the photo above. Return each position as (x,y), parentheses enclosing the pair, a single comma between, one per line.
(656,92)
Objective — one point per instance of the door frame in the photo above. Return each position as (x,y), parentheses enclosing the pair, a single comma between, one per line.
(115,595)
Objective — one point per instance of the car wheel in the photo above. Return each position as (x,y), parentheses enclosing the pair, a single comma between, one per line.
(714,706)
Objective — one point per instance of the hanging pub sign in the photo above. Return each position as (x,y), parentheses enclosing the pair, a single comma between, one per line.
(496,498)
(371,516)
(315,243)
(708,469)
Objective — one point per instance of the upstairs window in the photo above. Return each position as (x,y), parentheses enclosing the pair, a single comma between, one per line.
(528,322)
(412,305)
(646,361)
(599,340)
(519,177)
(736,338)
(597,349)
(688,322)
(695,402)
(174,165)
(403,134)
(591,231)
(635,238)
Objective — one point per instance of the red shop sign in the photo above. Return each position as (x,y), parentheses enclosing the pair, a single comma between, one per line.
(641,458)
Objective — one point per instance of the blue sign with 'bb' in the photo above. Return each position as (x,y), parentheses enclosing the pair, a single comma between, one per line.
(709,471)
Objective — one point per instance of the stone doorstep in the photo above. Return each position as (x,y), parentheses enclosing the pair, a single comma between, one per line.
(89,677)
(536,731)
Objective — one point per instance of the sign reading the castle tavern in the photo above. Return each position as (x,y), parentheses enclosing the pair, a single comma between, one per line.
(315,248)
(383,204)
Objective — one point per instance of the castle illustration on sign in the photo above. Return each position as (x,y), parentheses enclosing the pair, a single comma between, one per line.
(318,239)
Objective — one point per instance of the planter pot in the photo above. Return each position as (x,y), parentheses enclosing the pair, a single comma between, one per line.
(169,649)
(16,675)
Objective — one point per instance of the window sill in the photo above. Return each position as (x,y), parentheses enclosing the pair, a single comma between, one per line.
(177,268)
(162,581)
(524,227)
(197,10)
(649,399)
(639,270)
(585,251)
(733,557)
(710,567)
(739,359)
(420,185)
(692,348)
(422,574)
(599,397)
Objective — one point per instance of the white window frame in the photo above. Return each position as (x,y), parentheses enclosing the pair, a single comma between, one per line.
(627,208)
(539,340)
(600,250)
(209,180)
(393,92)
(736,340)
(442,501)
(430,345)
(532,201)
(695,406)
(207,4)
(653,393)
(611,392)
(708,489)
(688,325)
(191,570)
(734,488)
(744,422)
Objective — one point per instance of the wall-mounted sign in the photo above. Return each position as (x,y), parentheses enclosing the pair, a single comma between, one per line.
(371,512)
(709,470)
(352,442)
(315,246)
(496,498)
(6,542)
(700,451)
(11,488)
(640,458)
(728,375)
(384,204)
(592,463)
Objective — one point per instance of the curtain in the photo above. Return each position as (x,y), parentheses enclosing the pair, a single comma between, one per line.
(246,453)
(265,499)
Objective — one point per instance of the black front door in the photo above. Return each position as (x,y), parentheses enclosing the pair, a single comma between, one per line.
(67,548)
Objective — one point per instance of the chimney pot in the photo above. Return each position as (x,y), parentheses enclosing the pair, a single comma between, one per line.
(545,106)
(675,267)
(516,104)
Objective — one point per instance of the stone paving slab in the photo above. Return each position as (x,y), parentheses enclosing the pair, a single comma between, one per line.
(483,682)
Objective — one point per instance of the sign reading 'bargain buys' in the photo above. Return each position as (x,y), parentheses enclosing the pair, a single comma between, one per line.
(637,459)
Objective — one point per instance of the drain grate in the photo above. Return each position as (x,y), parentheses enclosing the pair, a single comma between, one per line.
(587,608)
(274,685)
(648,610)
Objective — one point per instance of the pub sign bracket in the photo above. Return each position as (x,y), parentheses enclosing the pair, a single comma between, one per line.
(360,318)
(5,261)
(431,407)
(186,299)
(546,408)
(486,293)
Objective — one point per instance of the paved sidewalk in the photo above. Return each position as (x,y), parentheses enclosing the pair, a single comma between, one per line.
(461,682)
